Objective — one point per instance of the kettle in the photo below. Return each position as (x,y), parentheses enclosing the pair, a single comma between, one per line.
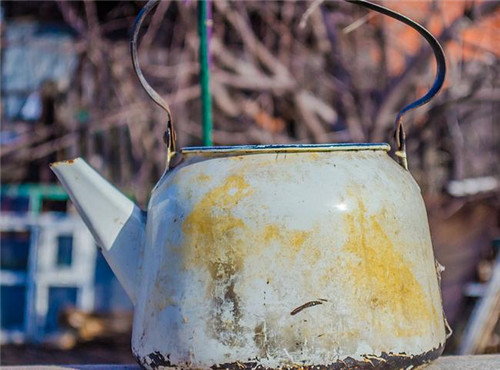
(273,256)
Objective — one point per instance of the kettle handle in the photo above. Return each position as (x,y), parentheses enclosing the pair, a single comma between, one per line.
(170,134)
(399,134)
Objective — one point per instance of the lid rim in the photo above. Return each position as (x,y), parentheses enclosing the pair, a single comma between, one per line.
(288,148)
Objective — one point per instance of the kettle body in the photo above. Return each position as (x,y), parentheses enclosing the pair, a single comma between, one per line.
(287,256)
(280,256)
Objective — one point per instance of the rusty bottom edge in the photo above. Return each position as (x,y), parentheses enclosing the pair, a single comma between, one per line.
(391,361)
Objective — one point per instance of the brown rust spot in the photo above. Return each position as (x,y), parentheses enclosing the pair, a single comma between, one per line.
(55,164)
(226,311)
(306,305)
(155,360)
(260,339)
(385,361)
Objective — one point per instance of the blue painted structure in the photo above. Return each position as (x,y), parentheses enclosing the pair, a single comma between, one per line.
(48,262)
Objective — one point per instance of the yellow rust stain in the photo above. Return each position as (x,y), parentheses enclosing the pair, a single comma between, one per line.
(383,280)
(212,226)
(215,233)
(203,177)
(314,156)
(293,242)
(271,232)
(298,238)
(212,230)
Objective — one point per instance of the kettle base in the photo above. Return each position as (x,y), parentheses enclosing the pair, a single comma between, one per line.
(156,360)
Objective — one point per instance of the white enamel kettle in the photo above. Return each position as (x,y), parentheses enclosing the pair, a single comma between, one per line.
(276,256)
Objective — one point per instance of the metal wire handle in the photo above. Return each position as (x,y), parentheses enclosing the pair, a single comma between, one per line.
(170,134)
(399,133)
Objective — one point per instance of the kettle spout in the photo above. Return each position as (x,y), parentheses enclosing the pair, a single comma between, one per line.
(116,223)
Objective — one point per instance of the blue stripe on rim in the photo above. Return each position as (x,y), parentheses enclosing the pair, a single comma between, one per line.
(290,148)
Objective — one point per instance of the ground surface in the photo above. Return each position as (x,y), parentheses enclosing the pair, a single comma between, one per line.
(91,353)
(481,362)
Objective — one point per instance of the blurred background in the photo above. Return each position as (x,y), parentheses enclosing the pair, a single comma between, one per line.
(281,72)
